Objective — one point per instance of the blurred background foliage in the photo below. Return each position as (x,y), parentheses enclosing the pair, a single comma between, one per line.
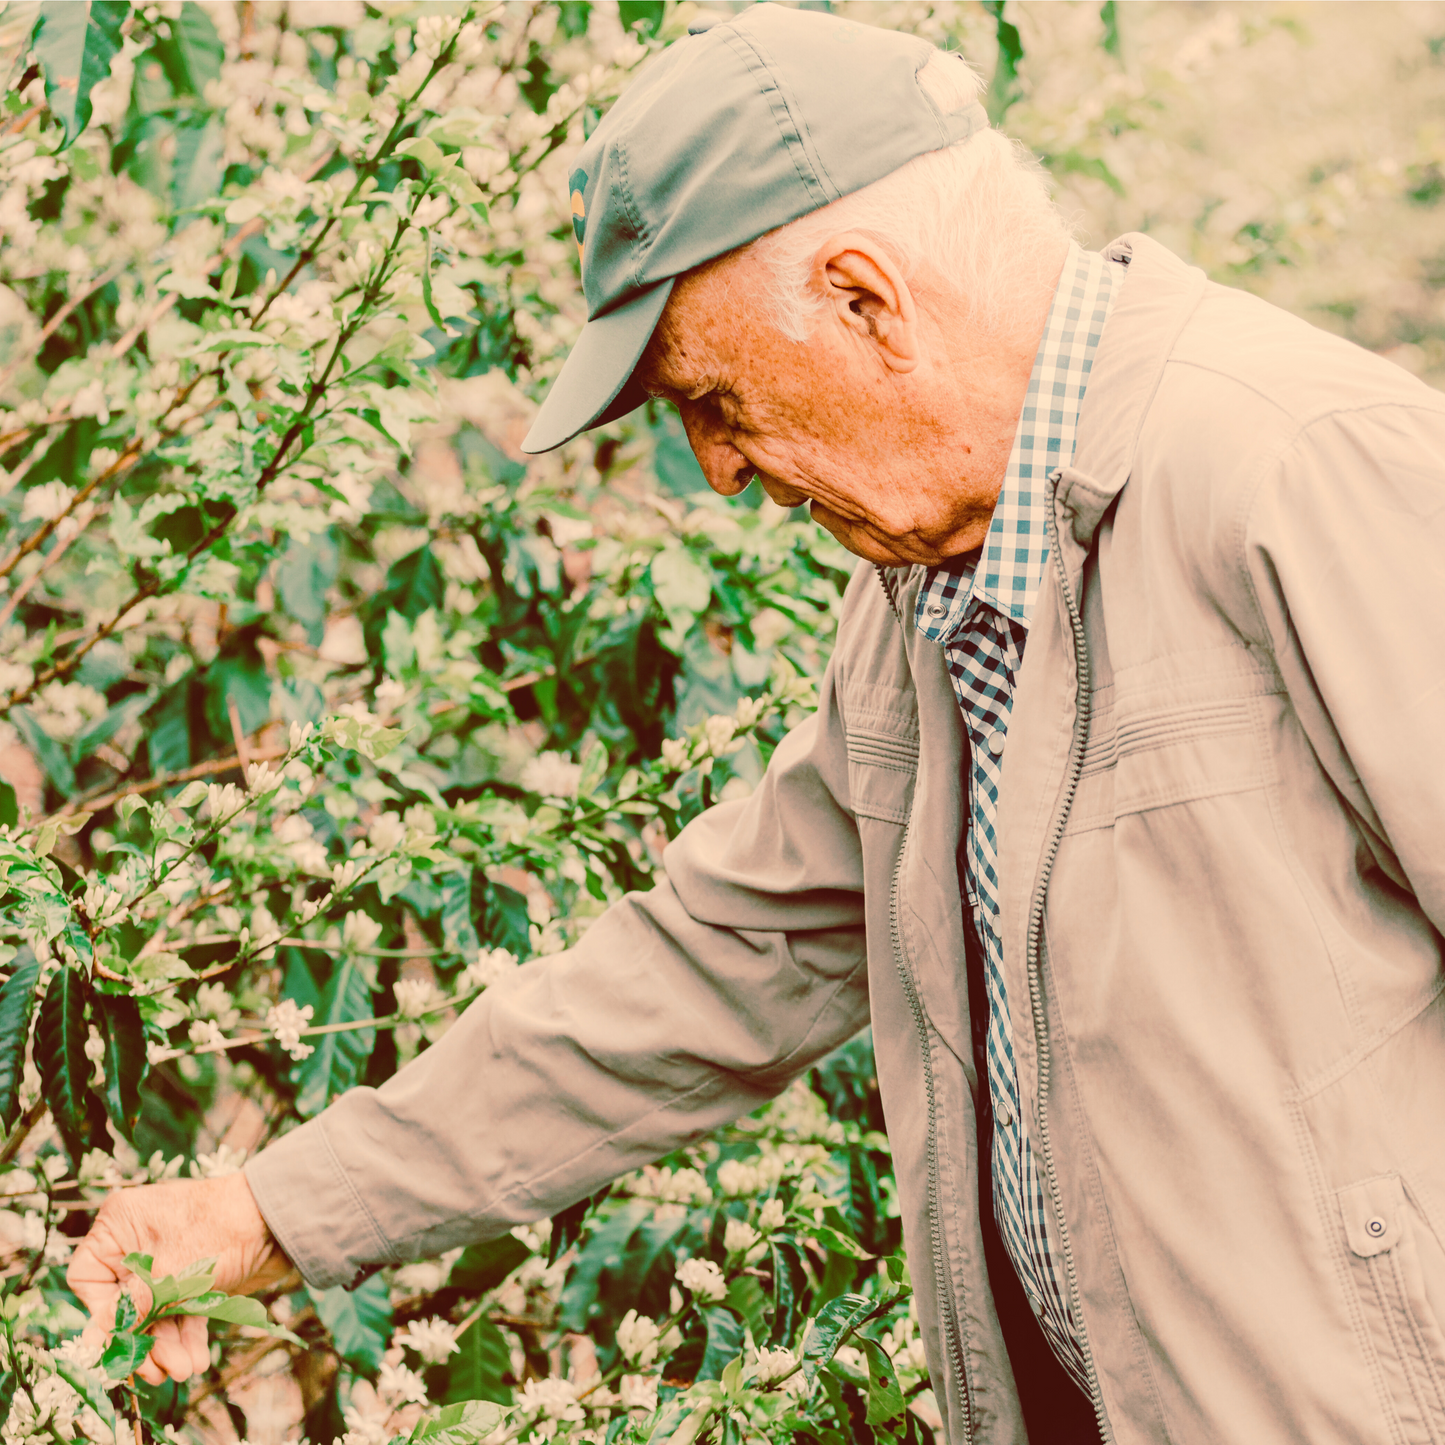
(322,708)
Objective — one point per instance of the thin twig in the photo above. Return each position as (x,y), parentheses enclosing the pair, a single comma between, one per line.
(20,1132)
(60,317)
(184,775)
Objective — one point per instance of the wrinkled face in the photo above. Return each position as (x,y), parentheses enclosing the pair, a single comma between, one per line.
(885,422)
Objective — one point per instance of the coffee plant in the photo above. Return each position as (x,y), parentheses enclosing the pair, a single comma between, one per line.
(322,708)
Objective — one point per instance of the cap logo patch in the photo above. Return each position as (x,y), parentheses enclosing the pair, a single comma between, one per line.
(579,210)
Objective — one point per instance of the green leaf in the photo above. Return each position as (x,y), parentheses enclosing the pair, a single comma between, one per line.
(200,162)
(126,1064)
(337,1059)
(724,1342)
(461,1424)
(424,151)
(17,1003)
(9,807)
(303,576)
(359,1320)
(125,1354)
(1109,16)
(76,40)
(645,13)
(193,53)
(594,768)
(749,1299)
(168,731)
(835,1321)
(459,933)
(679,581)
(481,1364)
(60,1035)
(885,1398)
(49,753)
(232,1309)
(482,1267)
(1004,89)
(426,291)
(789,1280)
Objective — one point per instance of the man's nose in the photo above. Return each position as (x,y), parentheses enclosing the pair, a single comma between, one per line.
(727,470)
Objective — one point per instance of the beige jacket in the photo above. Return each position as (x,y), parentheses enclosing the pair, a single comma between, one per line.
(1223,889)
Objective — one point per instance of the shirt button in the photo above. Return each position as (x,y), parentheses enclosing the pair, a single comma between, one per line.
(936,609)
(1375,1228)
(995,742)
(1006,1117)
(1038,1305)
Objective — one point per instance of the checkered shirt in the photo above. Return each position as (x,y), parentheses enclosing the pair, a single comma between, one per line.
(978,606)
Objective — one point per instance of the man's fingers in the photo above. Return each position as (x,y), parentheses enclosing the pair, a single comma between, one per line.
(93,1279)
(169,1352)
(193,1338)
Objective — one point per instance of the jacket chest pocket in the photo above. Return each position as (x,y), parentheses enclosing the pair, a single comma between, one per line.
(882,739)
(1381,1229)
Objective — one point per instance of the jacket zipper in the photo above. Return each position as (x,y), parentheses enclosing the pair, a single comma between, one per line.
(943,1284)
(882,575)
(1034,952)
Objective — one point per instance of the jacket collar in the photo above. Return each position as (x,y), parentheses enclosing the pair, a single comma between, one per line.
(1149,313)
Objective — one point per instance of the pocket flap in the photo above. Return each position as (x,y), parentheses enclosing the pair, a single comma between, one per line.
(1374,1214)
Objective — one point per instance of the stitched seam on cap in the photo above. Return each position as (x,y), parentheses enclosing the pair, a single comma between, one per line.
(752,57)
(639,231)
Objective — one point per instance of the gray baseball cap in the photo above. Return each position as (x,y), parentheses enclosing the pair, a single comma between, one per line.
(725,136)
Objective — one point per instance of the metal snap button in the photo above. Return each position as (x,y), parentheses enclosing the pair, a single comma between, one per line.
(936,609)
(1375,1227)
(995,743)
(1006,1117)
(1038,1305)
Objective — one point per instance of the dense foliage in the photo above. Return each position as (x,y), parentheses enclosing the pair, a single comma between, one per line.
(322,709)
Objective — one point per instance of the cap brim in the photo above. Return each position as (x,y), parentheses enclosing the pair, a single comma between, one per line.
(595,384)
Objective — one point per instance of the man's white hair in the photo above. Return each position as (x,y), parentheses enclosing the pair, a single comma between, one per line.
(977,211)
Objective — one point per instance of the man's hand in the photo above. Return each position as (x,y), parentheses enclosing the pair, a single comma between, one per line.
(177,1224)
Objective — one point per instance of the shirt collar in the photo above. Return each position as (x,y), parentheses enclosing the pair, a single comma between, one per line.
(1006,572)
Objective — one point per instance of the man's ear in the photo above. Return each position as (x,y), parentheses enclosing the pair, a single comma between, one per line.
(867,295)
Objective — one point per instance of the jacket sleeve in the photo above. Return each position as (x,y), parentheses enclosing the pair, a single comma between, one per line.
(680,1009)
(1345,545)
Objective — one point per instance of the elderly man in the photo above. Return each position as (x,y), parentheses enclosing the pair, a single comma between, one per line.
(1148,929)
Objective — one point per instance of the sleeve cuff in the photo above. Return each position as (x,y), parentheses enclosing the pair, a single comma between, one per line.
(314,1211)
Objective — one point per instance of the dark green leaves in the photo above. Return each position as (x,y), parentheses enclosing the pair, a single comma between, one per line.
(835,1322)
(76,40)
(60,1035)
(338,1059)
(193,52)
(359,1320)
(17,1001)
(124,1354)
(126,1064)
(483,1267)
(1004,89)
(479,1367)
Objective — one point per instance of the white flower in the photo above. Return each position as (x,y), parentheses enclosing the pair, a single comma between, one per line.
(343,875)
(774,1365)
(299,733)
(433,32)
(400,1384)
(222,799)
(77,1351)
(94,1045)
(552,775)
(637,1338)
(432,1339)
(639,1392)
(736,1179)
(703,1278)
(718,732)
(45,503)
(769,627)
(492,966)
(286,1019)
(359,930)
(213,1001)
(390,694)
(207,1036)
(261,779)
(772,1215)
(675,753)
(739,1236)
(386,832)
(90,401)
(415,997)
(553,1398)
(225,1160)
